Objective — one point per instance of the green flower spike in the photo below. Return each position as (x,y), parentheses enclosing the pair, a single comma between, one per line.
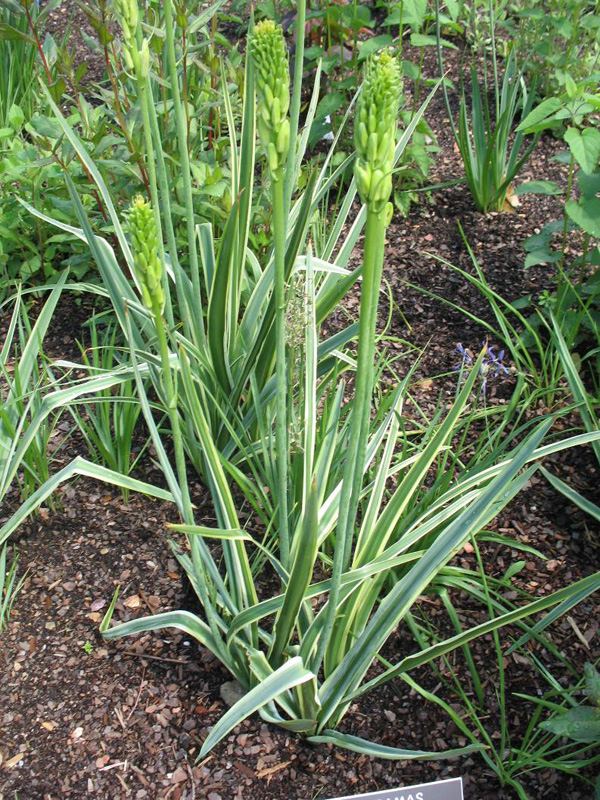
(375,129)
(127,14)
(142,229)
(269,54)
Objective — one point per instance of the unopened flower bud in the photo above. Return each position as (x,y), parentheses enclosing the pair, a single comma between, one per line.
(375,129)
(269,55)
(148,266)
(127,14)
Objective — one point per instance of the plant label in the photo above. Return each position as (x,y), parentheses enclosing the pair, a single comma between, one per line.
(439,790)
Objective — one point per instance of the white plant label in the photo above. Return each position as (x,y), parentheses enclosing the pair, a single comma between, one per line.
(451,789)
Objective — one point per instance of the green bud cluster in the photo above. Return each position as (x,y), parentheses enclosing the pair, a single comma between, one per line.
(148,267)
(375,129)
(128,17)
(269,54)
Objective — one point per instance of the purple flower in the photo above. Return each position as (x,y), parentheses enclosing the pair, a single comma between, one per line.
(491,367)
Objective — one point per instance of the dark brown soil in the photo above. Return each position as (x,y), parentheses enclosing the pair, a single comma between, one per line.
(80,717)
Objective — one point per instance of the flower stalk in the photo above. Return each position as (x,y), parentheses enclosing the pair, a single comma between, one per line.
(269,54)
(375,139)
(149,270)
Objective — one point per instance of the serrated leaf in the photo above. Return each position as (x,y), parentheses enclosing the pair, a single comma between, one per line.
(411,70)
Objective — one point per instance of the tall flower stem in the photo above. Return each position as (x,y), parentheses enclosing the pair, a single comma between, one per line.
(185,167)
(359,423)
(142,82)
(374,137)
(281,433)
(269,54)
(171,404)
(290,175)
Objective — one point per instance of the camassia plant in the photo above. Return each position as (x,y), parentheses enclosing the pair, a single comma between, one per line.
(492,156)
(231,348)
(302,656)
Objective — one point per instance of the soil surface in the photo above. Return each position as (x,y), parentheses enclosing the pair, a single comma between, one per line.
(80,717)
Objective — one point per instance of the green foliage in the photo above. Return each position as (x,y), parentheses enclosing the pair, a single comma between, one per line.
(18,68)
(571,734)
(34,153)
(109,421)
(575,305)
(223,402)
(9,585)
(492,156)
(415,165)
(31,251)
(25,452)
(356,513)
(557,41)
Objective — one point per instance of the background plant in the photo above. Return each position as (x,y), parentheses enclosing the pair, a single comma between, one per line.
(109,423)
(480,708)
(556,41)
(492,158)
(25,377)
(9,585)
(575,301)
(18,64)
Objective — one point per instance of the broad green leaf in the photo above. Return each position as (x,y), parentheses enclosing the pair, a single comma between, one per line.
(422,40)
(545,256)
(408,12)
(16,117)
(370,46)
(585,147)
(585,213)
(291,674)
(592,683)
(538,187)
(589,184)
(541,116)
(581,724)
(359,745)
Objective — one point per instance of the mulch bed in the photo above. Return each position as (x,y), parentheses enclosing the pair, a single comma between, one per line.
(83,718)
